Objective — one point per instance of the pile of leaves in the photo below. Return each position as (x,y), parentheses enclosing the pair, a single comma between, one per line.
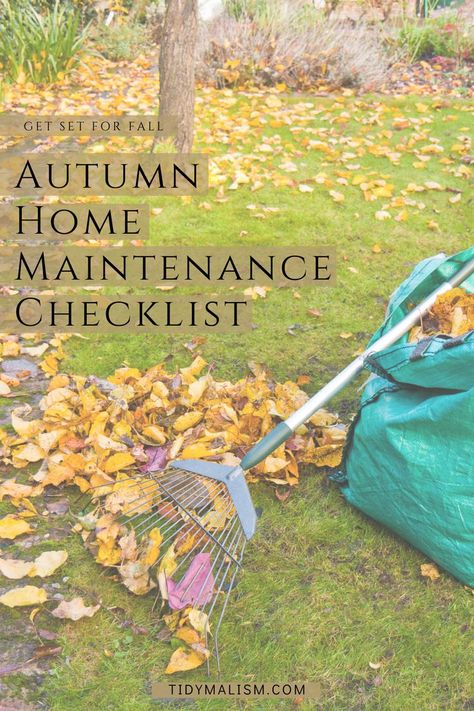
(91,429)
(451,315)
(108,437)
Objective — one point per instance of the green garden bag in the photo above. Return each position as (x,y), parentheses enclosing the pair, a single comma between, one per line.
(409,461)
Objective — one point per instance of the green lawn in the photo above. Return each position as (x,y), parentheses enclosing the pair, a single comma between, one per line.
(325,591)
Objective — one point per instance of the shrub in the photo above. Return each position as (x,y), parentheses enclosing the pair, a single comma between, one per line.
(121,41)
(300,51)
(443,36)
(39,46)
(250,9)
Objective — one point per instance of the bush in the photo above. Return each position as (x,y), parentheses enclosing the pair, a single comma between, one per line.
(299,50)
(39,46)
(445,37)
(250,9)
(121,41)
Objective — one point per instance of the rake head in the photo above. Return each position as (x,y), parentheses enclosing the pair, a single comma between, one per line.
(204,515)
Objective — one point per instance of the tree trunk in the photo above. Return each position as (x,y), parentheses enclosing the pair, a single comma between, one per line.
(177,65)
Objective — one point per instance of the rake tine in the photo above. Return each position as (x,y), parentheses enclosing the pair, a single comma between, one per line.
(169,528)
(195,520)
(188,498)
(210,553)
(210,570)
(124,514)
(221,616)
(219,585)
(206,545)
(236,536)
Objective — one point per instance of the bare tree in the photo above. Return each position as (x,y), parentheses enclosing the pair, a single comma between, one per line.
(177,67)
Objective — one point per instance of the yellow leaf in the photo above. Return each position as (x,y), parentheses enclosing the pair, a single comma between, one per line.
(192,370)
(274,464)
(429,571)
(152,551)
(49,365)
(328,455)
(336,196)
(184,422)
(401,216)
(30,453)
(256,292)
(21,597)
(167,567)
(11,349)
(17,491)
(199,620)
(157,434)
(197,389)
(12,526)
(25,428)
(4,389)
(188,635)
(47,563)
(118,461)
(108,553)
(376,249)
(15,569)
(49,440)
(433,225)
(121,375)
(183,660)
(198,450)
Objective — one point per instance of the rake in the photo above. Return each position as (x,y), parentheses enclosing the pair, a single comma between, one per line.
(209,504)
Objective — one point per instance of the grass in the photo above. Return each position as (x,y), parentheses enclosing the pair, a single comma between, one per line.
(325,590)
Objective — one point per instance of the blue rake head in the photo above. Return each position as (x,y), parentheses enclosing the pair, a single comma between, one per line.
(233,479)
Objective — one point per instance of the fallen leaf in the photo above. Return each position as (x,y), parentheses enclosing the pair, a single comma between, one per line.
(428,570)
(47,563)
(184,660)
(22,597)
(15,569)
(11,526)
(74,609)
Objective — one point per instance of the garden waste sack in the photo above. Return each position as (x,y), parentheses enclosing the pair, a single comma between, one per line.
(409,461)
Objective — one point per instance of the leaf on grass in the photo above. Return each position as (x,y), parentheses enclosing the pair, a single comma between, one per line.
(428,570)
(12,526)
(184,659)
(10,487)
(47,563)
(15,569)
(74,609)
(22,597)
(136,578)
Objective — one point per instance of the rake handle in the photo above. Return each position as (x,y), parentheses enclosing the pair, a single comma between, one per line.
(285,429)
